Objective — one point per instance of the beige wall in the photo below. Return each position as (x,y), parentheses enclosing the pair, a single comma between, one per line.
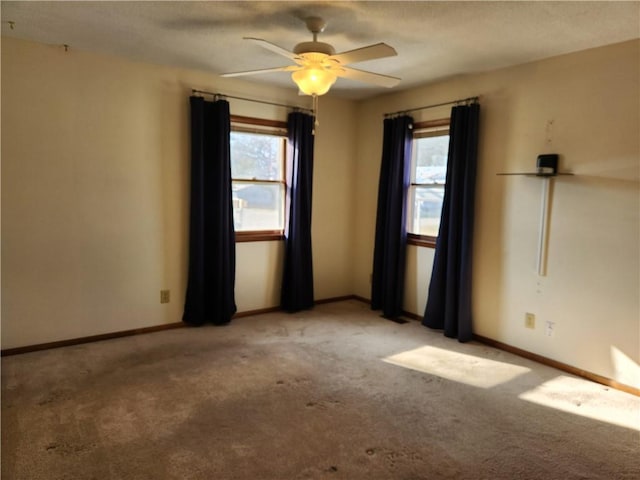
(95,165)
(584,106)
(95,199)
(333,196)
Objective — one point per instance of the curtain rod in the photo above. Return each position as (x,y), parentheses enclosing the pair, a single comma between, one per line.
(463,100)
(216,94)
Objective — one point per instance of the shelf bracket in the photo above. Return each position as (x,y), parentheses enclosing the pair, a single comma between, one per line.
(543,240)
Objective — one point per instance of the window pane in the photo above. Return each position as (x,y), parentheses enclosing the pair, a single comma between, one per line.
(258,206)
(425,209)
(256,156)
(430,159)
(429,167)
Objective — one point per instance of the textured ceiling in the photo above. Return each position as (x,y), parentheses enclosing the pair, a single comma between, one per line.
(434,40)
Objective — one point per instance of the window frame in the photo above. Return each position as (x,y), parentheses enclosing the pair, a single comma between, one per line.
(262,126)
(417,239)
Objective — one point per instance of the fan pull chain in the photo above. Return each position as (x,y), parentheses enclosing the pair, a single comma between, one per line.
(315,112)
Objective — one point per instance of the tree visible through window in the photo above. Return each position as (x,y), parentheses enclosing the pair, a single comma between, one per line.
(428,177)
(258,180)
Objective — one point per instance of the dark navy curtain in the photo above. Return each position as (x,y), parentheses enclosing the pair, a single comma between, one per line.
(212,252)
(297,276)
(449,301)
(387,283)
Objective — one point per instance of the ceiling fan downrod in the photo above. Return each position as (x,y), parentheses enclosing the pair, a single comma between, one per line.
(315,25)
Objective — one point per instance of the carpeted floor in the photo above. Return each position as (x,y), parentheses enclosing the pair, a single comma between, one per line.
(335,393)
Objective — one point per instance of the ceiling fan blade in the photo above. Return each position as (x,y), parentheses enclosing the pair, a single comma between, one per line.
(273,47)
(372,52)
(367,77)
(290,68)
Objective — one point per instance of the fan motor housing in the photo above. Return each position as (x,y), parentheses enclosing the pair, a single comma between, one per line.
(315,47)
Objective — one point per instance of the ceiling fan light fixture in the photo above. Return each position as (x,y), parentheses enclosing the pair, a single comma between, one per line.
(318,66)
(314,80)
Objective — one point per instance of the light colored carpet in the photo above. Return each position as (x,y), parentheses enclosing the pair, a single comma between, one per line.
(336,392)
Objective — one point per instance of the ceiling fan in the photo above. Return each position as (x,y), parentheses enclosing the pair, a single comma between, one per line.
(318,65)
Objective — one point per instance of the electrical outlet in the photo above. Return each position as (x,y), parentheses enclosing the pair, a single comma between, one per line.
(165,296)
(529,320)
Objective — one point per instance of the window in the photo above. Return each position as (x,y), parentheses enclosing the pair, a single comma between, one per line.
(428,176)
(258,149)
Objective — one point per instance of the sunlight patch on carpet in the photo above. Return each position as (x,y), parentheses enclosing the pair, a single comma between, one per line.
(458,367)
(587,399)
